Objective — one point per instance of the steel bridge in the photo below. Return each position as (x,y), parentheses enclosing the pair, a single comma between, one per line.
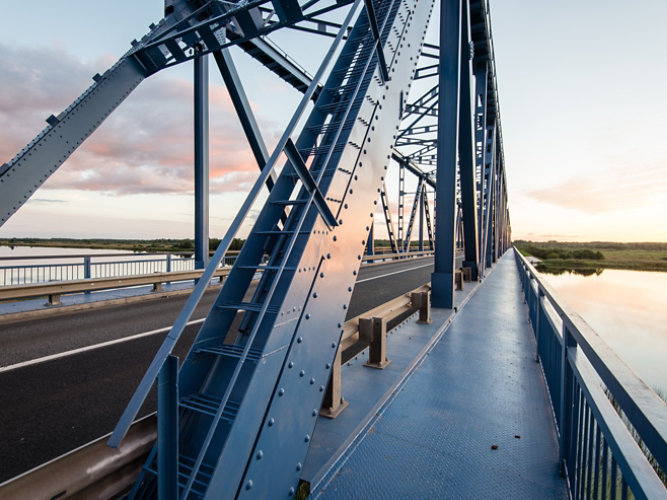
(456,406)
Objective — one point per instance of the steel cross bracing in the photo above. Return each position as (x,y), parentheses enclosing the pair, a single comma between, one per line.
(243,389)
(240,413)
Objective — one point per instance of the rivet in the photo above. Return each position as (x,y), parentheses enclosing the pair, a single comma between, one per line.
(281,392)
(321,275)
(299,340)
(333,345)
(290,364)
(340,325)
(271,421)
(328,256)
(260,454)
(335,238)
(314,412)
(349,288)
(298,466)
(248,485)
(312,381)
(307,316)
(328,366)
(307,438)
(291,491)
(321,388)
(302,373)
(315,295)
(354,273)
(344,306)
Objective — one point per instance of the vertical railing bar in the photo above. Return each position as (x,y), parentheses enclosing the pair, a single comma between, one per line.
(624,489)
(589,468)
(612,483)
(581,402)
(584,448)
(605,466)
(597,461)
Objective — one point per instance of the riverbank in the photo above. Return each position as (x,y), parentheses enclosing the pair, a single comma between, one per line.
(142,246)
(588,258)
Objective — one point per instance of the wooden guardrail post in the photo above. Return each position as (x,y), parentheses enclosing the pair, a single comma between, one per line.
(458,277)
(334,403)
(422,300)
(374,331)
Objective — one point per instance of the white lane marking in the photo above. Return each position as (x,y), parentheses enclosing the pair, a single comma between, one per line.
(92,347)
(395,272)
(51,357)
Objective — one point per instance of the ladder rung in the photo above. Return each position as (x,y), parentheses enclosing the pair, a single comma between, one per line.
(232,351)
(260,267)
(249,306)
(209,405)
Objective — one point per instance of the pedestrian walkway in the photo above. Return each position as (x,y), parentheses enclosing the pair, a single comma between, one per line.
(473,421)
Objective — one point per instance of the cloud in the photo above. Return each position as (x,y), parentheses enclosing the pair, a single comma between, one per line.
(609,192)
(145,146)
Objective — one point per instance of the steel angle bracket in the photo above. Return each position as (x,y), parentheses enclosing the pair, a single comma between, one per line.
(309,183)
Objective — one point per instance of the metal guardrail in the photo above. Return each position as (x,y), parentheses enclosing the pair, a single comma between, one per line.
(54,290)
(597,449)
(77,267)
(98,471)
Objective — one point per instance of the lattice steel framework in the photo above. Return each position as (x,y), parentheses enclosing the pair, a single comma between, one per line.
(236,419)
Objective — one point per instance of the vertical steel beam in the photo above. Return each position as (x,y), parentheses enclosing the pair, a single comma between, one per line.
(481,79)
(467,150)
(421,219)
(167,430)
(201,161)
(370,247)
(488,211)
(442,279)
(401,206)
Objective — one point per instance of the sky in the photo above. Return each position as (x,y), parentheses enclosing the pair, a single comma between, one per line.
(581,95)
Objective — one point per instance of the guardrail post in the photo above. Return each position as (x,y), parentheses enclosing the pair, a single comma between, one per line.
(374,331)
(54,299)
(422,300)
(333,403)
(86,267)
(168,262)
(458,278)
(167,430)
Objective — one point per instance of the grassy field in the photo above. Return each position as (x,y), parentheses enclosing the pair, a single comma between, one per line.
(586,258)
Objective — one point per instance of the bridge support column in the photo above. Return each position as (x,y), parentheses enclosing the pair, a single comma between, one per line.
(201,161)
(442,279)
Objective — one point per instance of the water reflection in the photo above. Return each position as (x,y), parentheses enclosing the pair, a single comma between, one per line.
(628,309)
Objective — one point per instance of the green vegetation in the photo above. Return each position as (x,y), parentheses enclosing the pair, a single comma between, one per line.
(588,258)
(142,246)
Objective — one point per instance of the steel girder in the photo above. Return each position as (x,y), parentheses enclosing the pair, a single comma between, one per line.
(246,390)
(190,29)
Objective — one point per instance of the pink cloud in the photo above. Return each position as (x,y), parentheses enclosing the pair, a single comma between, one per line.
(145,146)
(616,190)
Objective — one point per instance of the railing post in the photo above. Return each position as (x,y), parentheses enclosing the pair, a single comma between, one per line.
(167,430)
(538,315)
(86,267)
(566,399)
(168,262)
(333,403)
(422,300)
(374,330)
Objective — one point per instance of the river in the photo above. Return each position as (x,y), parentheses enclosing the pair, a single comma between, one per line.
(628,309)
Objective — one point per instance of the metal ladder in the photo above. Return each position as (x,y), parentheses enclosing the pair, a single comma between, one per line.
(230,374)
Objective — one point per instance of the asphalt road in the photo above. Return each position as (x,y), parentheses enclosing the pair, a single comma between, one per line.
(50,406)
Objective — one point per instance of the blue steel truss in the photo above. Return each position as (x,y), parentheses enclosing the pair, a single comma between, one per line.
(237,418)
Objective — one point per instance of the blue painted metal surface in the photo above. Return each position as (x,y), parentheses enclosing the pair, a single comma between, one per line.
(201,155)
(478,387)
(597,452)
(448,132)
(255,377)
